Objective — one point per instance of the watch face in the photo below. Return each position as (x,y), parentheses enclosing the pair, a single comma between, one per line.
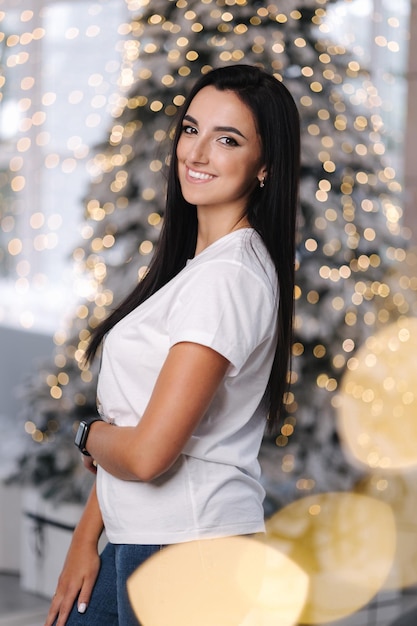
(81,435)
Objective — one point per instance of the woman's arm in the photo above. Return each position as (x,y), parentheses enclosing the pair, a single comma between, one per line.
(81,565)
(182,394)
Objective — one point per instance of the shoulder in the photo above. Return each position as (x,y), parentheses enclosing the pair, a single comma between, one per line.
(227,298)
(240,256)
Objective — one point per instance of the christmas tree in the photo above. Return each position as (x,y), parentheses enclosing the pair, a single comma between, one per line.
(349,277)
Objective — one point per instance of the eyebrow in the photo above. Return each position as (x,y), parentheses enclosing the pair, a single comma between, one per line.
(224,129)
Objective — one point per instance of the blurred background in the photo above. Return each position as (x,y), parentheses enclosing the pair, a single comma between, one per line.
(89,93)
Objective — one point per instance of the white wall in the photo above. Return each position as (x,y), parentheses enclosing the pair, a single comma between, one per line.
(20,353)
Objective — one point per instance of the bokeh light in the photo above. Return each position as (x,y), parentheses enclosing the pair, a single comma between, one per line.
(345,543)
(232,581)
(377,413)
(399,492)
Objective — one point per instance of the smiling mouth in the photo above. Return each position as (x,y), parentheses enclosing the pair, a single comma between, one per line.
(199,175)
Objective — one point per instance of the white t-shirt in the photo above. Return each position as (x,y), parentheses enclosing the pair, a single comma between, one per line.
(225,298)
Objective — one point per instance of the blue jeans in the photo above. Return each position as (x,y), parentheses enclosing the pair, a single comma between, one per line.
(109,603)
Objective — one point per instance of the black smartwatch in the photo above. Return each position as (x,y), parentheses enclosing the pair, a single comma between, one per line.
(82,433)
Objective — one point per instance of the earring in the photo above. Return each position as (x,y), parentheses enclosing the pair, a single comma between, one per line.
(262,183)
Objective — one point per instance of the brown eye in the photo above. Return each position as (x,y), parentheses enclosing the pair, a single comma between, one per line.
(189,130)
(228,141)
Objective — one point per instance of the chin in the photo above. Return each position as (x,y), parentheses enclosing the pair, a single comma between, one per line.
(192,196)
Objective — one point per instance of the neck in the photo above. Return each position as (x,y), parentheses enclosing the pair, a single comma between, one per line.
(210,230)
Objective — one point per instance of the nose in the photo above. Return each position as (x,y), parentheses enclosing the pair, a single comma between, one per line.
(198,150)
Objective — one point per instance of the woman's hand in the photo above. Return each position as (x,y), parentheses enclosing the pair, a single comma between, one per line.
(89,463)
(81,566)
(76,580)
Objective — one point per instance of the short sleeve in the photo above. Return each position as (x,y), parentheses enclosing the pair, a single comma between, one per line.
(225,306)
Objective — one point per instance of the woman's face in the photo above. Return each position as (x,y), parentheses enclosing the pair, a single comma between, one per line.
(219,152)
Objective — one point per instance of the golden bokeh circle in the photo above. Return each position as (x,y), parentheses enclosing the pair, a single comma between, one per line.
(399,492)
(232,581)
(377,413)
(345,543)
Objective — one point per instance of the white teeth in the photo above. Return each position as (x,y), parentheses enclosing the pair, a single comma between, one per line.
(199,175)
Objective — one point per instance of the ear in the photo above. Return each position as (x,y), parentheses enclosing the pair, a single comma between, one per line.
(261,176)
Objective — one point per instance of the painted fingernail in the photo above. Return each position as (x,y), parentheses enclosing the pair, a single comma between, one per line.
(82,607)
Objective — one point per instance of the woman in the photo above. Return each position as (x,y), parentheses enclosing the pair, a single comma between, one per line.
(196,357)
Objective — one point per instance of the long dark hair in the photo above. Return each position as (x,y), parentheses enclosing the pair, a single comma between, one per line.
(271,210)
